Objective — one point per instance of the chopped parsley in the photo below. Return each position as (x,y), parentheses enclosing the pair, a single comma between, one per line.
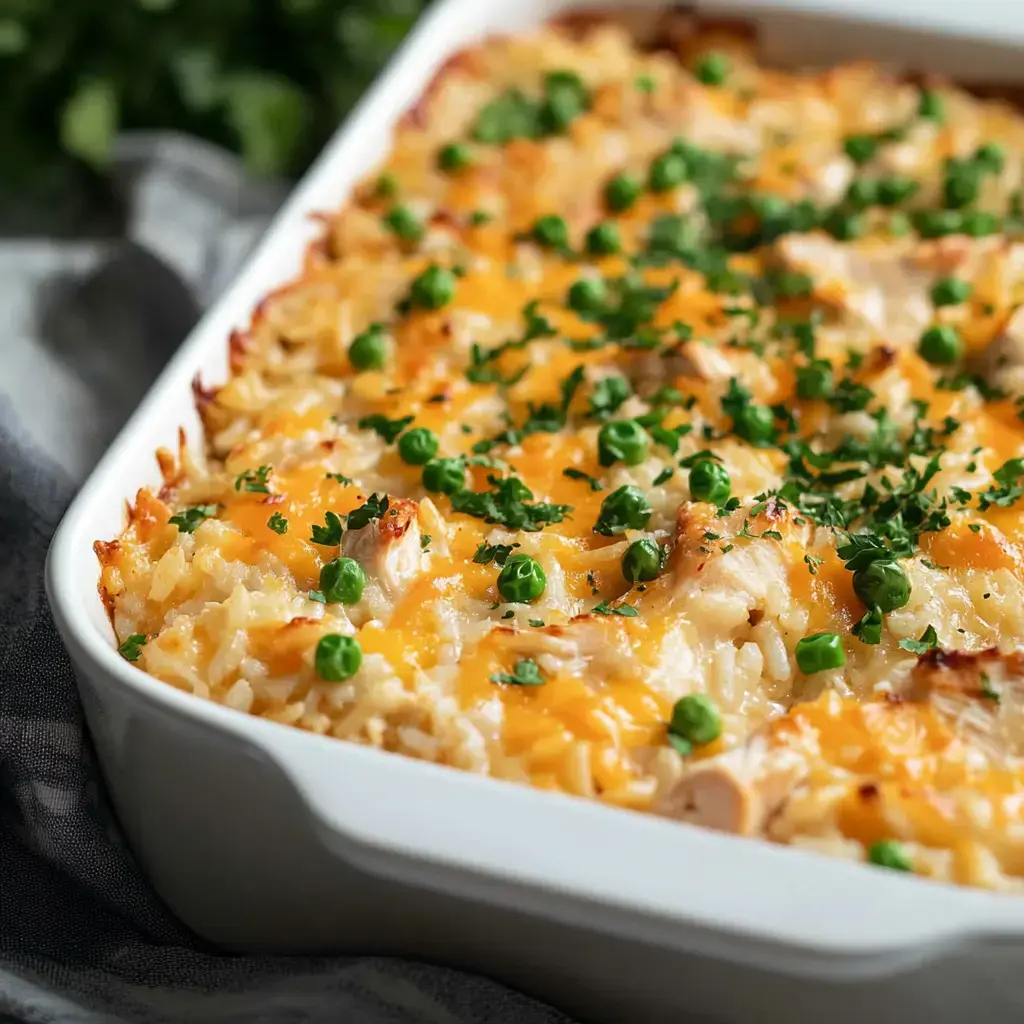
(525,673)
(609,393)
(578,474)
(496,553)
(131,649)
(330,533)
(373,508)
(928,642)
(510,503)
(278,523)
(345,481)
(627,611)
(254,480)
(383,427)
(188,520)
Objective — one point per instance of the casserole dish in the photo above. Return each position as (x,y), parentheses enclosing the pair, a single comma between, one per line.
(596,920)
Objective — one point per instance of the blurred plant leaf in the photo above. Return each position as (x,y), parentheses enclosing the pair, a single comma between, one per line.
(198,75)
(271,78)
(13,37)
(268,114)
(88,122)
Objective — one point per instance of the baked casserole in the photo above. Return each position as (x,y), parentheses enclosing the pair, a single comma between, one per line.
(647,428)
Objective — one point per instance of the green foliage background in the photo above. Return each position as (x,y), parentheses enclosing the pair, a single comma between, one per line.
(268,78)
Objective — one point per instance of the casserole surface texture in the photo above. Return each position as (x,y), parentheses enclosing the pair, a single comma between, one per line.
(646,428)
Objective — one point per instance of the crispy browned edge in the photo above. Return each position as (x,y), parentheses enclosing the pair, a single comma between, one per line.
(656,29)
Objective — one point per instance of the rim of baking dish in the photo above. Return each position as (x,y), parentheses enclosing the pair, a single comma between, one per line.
(614,870)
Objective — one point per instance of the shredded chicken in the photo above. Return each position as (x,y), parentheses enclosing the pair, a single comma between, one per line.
(738,791)
(389,548)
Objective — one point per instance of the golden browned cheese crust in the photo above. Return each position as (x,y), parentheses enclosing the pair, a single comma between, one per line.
(732,354)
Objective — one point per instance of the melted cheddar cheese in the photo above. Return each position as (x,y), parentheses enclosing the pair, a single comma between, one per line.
(632,432)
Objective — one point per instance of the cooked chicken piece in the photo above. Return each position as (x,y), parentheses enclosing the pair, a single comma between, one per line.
(982,693)
(1001,363)
(738,791)
(588,643)
(695,359)
(389,548)
(883,287)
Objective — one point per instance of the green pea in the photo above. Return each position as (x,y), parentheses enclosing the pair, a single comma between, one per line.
(521,579)
(588,295)
(815,381)
(622,441)
(709,481)
(941,345)
(961,186)
(931,107)
(845,227)
(454,157)
(641,562)
(882,585)
(899,225)
(667,171)
(936,223)
(896,189)
(755,424)
(979,223)
(565,98)
(418,446)
(551,231)
(695,718)
(622,191)
(888,853)
(387,185)
(792,284)
(337,657)
(433,289)
(444,476)
(604,239)
(369,350)
(404,223)
(342,581)
(862,193)
(820,652)
(991,156)
(861,148)
(713,68)
(951,291)
(624,509)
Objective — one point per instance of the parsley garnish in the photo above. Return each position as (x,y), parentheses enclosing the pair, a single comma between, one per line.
(425,540)
(1009,489)
(329,534)
(525,673)
(131,649)
(188,520)
(254,480)
(869,628)
(578,474)
(609,393)
(383,427)
(508,504)
(928,642)
(278,523)
(497,553)
(373,508)
(663,477)
(345,481)
(627,611)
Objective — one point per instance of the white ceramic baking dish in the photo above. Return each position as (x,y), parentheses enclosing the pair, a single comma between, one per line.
(261,836)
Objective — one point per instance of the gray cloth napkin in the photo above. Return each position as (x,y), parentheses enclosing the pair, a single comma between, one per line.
(83,939)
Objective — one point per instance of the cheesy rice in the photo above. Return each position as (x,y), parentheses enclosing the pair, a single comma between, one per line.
(646,428)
